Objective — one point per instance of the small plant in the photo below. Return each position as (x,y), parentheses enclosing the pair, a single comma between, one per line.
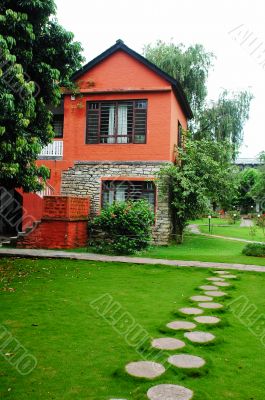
(233,216)
(252,231)
(254,249)
(260,222)
(122,228)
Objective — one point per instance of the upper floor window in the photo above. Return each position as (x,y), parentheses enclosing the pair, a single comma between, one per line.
(116,122)
(57,124)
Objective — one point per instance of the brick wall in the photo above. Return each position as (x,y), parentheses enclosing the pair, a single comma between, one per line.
(63,225)
(65,207)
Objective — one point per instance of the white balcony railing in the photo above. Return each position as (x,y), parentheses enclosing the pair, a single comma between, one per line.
(48,190)
(54,149)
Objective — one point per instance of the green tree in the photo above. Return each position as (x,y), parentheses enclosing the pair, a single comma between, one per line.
(222,120)
(203,176)
(258,190)
(37,58)
(190,66)
(247,180)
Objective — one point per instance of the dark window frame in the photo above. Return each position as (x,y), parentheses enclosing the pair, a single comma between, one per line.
(96,112)
(180,141)
(114,185)
(58,118)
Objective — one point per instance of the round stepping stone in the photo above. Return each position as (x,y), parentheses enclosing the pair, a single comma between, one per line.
(191,310)
(186,361)
(228,276)
(178,325)
(145,369)
(167,343)
(215,279)
(208,287)
(199,337)
(220,272)
(169,392)
(223,284)
(210,305)
(217,293)
(207,319)
(201,298)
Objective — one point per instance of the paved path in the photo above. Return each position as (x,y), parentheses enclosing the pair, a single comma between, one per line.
(30,253)
(246,222)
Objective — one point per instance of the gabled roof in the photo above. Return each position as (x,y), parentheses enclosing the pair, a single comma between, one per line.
(119,45)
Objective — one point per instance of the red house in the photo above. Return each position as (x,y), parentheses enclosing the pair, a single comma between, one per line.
(112,136)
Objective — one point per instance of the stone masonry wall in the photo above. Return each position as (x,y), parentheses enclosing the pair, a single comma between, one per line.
(85,179)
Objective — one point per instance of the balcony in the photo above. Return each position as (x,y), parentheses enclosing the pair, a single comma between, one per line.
(53,151)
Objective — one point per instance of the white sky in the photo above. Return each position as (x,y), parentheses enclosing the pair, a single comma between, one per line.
(98,24)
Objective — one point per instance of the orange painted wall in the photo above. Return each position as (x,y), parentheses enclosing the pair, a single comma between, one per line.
(116,75)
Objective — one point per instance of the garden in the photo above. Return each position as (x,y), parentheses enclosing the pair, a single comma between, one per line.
(48,306)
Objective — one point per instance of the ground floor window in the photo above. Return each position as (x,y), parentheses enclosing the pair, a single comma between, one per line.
(118,191)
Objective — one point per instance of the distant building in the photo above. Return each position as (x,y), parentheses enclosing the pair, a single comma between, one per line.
(243,163)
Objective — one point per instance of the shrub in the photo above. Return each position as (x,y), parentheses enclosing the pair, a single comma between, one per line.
(125,228)
(261,222)
(233,216)
(254,249)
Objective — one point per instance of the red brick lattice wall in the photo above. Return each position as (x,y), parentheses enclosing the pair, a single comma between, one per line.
(63,224)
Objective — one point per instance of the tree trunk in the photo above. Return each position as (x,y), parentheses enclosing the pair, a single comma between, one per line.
(177,229)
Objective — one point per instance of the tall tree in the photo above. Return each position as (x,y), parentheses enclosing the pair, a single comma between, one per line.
(248,179)
(203,176)
(258,190)
(37,57)
(221,120)
(190,66)
(224,119)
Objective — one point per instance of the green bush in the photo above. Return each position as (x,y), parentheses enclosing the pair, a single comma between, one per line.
(254,249)
(122,228)
(232,216)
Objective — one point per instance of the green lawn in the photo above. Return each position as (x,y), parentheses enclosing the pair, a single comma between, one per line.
(45,304)
(202,248)
(233,230)
(214,221)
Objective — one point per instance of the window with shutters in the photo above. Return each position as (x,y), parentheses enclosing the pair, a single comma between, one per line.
(116,122)
(118,191)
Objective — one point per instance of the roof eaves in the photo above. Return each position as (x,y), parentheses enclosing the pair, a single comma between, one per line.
(119,45)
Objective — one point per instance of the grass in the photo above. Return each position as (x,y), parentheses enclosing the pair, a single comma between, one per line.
(233,230)
(202,248)
(198,248)
(45,304)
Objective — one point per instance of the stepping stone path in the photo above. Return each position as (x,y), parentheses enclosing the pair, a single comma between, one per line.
(167,343)
(209,287)
(169,392)
(207,319)
(220,272)
(223,284)
(145,369)
(199,337)
(191,310)
(186,361)
(215,279)
(210,305)
(152,370)
(181,325)
(201,298)
(217,293)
